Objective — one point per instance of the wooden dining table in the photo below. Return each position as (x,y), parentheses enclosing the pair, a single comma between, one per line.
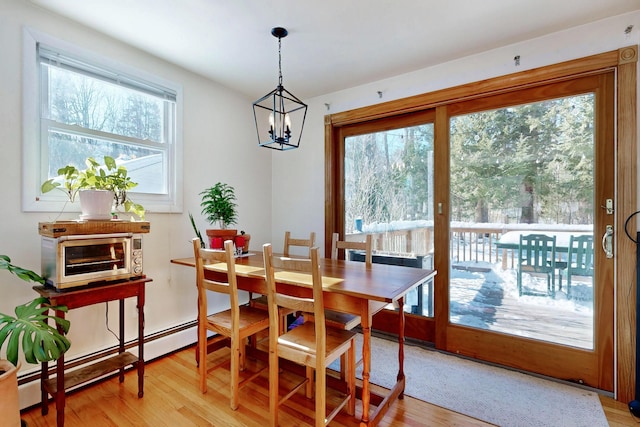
(349,287)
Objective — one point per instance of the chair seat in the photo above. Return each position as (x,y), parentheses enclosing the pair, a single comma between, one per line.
(303,338)
(336,319)
(249,317)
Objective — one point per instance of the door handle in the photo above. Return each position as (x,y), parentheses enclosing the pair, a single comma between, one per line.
(607,241)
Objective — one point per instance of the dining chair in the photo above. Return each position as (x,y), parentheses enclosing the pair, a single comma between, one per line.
(237,323)
(337,319)
(537,255)
(313,345)
(304,243)
(579,258)
(261,301)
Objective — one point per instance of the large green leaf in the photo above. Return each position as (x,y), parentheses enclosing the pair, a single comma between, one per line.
(40,341)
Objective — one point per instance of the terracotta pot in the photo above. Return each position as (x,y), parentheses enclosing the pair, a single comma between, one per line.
(228,234)
(9,402)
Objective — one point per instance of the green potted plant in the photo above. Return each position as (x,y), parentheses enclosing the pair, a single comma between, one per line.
(109,184)
(219,207)
(29,332)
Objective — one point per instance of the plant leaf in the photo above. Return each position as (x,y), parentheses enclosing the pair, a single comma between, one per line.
(40,341)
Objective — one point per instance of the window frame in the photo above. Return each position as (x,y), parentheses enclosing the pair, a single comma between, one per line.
(32,145)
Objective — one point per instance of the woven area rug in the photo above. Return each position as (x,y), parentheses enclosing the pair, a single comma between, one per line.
(495,395)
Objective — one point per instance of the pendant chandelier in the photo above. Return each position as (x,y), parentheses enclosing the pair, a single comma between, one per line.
(279,115)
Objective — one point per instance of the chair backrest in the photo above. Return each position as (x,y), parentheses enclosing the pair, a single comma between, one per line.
(305,243)
(580,256)
(538,251)
(367,246)
(298,273)
(228,286)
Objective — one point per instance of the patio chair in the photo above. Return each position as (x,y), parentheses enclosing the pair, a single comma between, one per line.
(537,255)
(579,259)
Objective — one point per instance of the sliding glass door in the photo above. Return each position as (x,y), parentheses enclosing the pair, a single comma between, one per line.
(507,189)
(529,172)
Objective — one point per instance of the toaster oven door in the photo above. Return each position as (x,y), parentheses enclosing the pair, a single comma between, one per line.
(95,259)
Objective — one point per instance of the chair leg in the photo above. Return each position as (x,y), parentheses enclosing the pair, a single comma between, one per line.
(235,372)
(242,355)
(519,281)
(559,280)
(273,388)
(202,358)
(321,398)
(351,379)
(309,386)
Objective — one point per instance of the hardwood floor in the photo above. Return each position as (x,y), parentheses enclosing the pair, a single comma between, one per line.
(172,398)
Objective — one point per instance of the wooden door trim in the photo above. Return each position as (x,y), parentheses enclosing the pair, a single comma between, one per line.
(626,204)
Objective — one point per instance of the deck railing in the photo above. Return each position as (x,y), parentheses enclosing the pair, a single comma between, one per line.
(467,242)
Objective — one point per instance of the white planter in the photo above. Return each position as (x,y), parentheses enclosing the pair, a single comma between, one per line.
(96,204)
(9,400)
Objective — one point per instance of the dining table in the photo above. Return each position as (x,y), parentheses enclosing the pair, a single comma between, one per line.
(349,287)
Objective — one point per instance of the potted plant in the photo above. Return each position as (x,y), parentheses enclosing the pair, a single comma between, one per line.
(108,182)
(219,207)
(29,332)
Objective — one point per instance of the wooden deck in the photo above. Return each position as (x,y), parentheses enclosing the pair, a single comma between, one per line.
(484,297)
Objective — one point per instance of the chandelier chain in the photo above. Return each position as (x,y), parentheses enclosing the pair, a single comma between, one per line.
(279,61)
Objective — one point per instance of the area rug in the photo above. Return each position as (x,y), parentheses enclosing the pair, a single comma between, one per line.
(492,394)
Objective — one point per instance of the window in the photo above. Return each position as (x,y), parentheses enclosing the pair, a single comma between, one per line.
(82,106)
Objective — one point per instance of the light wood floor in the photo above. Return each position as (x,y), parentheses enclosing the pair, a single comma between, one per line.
(172,398)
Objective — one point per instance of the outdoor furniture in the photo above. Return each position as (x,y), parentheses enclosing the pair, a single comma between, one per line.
(579,259)
(537,255)
(237,323)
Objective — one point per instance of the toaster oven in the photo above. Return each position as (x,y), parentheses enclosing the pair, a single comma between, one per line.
(79,260)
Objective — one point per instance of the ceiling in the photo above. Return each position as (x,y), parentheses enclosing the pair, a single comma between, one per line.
(332,44)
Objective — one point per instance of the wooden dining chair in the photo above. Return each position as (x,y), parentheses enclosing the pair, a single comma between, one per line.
(337,319)
(261,301)
(313,345)
(237,323)
(304,243)
(367,246)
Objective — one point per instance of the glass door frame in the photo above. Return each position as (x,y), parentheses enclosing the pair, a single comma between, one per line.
(589,367)
(624,61)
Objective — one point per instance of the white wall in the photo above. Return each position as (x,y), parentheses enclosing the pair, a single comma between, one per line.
(298,177)
(219,145)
